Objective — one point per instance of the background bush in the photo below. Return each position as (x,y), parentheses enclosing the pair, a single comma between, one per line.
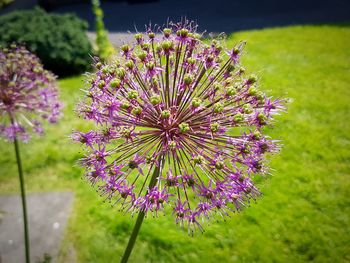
(59,40)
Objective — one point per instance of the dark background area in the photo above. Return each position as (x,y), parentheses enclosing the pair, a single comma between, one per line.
(212,15)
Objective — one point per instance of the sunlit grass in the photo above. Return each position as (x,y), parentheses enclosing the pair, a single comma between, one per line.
(304,213)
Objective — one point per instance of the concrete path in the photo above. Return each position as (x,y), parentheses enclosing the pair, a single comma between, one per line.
(211,15)
(48,215)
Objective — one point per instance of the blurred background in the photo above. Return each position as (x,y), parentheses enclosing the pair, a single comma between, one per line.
(299,49)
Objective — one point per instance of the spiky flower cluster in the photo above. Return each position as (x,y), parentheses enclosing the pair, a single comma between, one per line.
(28,94)
(184,109)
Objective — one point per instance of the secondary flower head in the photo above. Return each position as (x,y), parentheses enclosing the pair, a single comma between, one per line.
(28,94)
(184,107)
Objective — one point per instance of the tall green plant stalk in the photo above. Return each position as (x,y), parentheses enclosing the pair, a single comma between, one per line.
(23,197)
(140,216)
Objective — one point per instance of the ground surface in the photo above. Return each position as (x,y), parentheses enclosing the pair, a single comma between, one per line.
(214,16)
(304,214)
(47,215)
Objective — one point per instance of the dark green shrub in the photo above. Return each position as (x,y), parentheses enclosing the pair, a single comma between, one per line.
(58,40)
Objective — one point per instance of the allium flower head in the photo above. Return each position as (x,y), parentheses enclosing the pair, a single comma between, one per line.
(185,107)
(28,94)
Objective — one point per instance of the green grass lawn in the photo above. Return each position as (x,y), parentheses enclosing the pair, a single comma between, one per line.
(305,211)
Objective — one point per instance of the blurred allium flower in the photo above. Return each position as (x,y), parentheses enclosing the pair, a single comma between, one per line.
(28,94)
(184,107)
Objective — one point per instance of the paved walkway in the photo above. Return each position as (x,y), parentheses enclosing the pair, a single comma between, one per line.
(48,215)
(211,15)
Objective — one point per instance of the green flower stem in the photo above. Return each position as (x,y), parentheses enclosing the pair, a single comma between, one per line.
(23,195)
(139,219)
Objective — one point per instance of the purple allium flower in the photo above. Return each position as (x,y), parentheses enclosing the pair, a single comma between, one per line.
(175,103)
(28,94)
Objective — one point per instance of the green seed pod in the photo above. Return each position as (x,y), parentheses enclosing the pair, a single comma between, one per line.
(238,117)
(101,84)
(155,99)
(214,127)
(142,55)
(115,83)
(188,79)
(172,145)
(98,65)
(121,73)
(125,105)
(125,48)
(167,45)
(132,94)
(137,111)
(184,127)
(165,114)
(247,108)
(105,70)
(198,159)
(129,64)
(196,102)
(231,91)
(218,107)
(219,165)
(252,79)
(252,91)
(138,36)
(167,32)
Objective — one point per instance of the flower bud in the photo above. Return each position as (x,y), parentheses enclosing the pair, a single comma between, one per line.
(155,99)
(98,65)
(214,127)
(129,64)
(167,45)
(183,32)
(262,119)
(199,159)
(105,70)
(115,83)
(256,135)
(172,145)
(191,61)
(238,117)
(145,46)
(121,73)
(132,94)
(184,127)
(167,32)
(125,105)
(188,79)
(137,111)
(125,48)
(247,108)
(217,86)
(101,84)
(252,79)
(196,102)
(231,91)
(218,107)
(142,55)
(165,114)
(252,91)
(219,165)
(138,37)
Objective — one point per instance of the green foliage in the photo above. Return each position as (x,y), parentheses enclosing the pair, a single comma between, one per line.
(304,213)
(104,47)
(58,40)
